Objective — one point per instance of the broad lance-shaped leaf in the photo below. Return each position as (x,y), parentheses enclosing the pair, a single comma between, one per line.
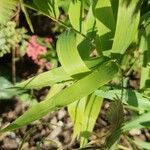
(114,4)
(141,144)
(145,50)
(56,88)
(85,86)
(6,9)
(56,75)
(85,45)
(69,50)
(77,66)
(91,112)
(130,97)
(89,22)
(75,14)
(26,15)
(48,7)
(48,78)
(76,112)
(142,121)
(68,54)
(105,23)
(127,24)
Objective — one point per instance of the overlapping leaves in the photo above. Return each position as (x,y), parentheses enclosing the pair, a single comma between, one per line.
(102,74)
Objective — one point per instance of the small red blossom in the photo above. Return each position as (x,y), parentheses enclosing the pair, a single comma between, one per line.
(35,50)
(48,40)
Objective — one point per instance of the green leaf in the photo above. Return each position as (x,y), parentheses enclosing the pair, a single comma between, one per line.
(26,15)
(69,50)
(56,88)
(54,76)
(6,10)
(76,112)
(64,4)
(141,144)
(130,97)
(75,14)
(115,116)
(127,25)
(89,23)
(48,7)
(85,45)
(6,92)
(47,78)
(105,23)
(145,50)
(94,62)
(91,113)
(85,86)
(114,4)
(142,121)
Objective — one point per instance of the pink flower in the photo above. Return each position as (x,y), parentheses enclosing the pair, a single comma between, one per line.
(48,40)
(35,50)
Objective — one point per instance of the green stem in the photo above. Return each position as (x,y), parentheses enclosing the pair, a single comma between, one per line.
(13,66)
(61,23)
(81,13)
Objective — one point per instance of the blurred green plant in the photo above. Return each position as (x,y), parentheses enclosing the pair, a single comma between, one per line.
(7,92)
(99,44)
(7,10)
(11,38)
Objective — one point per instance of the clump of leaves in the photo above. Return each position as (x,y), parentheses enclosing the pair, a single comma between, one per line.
(109,27)
(11,38)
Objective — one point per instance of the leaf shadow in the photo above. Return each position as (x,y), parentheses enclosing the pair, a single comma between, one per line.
(132,99)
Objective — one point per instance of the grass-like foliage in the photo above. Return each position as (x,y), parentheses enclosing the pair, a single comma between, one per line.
(116,30)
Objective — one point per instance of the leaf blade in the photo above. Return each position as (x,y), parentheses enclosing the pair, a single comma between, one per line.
(92,110)
(142,121)
(69,50)
(48,7)
(130,97)
(97,78)
(127,25)
(47,78)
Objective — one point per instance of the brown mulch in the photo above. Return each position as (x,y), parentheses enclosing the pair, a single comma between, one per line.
(52,131)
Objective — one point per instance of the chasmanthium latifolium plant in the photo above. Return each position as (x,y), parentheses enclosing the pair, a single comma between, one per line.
(99,39)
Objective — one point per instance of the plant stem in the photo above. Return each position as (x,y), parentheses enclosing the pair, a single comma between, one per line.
(13,66)
(81,13)
(62,23)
